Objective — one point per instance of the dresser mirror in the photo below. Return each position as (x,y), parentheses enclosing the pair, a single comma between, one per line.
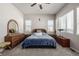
(12,27)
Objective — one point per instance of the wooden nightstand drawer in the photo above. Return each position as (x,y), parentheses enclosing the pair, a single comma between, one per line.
(64,42)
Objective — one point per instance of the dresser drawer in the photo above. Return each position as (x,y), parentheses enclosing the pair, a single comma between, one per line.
(14,39)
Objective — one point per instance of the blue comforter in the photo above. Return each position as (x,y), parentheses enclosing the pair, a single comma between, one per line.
(39,42)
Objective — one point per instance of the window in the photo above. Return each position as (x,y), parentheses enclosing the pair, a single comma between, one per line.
(28,25)
(70,22)
(62,22)
(50,25)
(66,22)
(57,24)
(77,20)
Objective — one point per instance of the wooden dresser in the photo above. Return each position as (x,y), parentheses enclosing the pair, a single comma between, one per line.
(15,39)
(64,42)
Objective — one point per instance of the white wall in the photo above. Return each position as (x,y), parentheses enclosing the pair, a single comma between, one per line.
(35,20)
(7,12)
(74,39)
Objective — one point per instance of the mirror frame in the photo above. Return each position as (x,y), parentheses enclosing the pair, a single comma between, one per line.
(9,23)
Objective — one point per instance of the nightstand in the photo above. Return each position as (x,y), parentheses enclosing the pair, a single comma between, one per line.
(52,35)
(27,35)
(64,42)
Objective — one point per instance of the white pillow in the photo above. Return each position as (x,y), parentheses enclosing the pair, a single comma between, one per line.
(38,34)
(43,33)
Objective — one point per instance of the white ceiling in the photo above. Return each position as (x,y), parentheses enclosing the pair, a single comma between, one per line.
(52,8)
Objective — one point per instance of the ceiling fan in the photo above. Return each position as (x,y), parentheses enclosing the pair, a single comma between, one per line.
(40,5)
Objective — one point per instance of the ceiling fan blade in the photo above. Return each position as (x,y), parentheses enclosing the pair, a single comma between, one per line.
(40,6)
(33,4)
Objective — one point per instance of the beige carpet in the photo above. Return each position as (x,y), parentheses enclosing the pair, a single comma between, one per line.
(59,51)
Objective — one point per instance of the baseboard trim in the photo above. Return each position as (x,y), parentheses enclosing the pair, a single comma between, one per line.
(74,49)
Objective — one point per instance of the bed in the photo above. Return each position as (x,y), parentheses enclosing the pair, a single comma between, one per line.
(39,39)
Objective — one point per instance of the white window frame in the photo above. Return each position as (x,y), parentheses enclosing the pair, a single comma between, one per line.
(66,23)
(62,23)
(72,21)
(28,25)
(77,31)
(50,25)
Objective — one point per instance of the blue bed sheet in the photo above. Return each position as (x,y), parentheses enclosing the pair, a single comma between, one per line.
(38,42)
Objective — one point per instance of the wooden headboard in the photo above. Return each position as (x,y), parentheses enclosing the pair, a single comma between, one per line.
(42,30)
